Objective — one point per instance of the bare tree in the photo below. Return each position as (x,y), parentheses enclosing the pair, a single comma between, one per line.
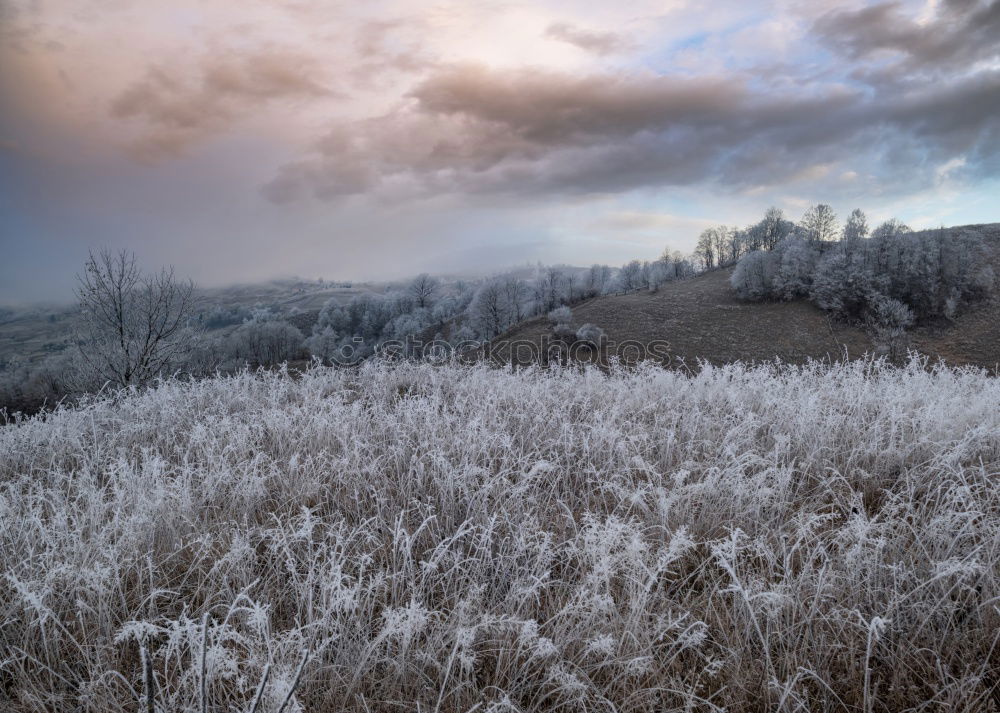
(489,309)
(774,228)
(720,239)
(736,240)
(704,251)
(550,288)
(718,246)
(516,292)
(423,289)
(131,319)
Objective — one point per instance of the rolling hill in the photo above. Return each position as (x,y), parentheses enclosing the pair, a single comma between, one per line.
(701,318)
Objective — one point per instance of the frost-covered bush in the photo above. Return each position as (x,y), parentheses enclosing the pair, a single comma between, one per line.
(204,352)
(783,273)
(754,276)
(842,282)
(888,320)
(408,323)
(892,314)
(798,265)
(447,308)
(29,386)
(590,333)
(562,328)
(561,315)
(323,344)
(821,538)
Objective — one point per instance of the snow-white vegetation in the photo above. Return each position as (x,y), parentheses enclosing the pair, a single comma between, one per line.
(892,278)
(408,537)
(219,333)
(590,333)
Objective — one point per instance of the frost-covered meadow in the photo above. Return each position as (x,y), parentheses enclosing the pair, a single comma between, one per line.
(461,538)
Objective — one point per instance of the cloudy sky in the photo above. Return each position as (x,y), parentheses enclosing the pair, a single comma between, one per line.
(247,139)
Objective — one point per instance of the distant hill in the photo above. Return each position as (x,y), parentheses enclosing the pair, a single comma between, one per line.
(32,333)
(701,318)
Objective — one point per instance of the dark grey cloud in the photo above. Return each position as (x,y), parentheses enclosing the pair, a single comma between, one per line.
(600,43)
(474,130)
(173,110)
(549,107)
(962,32)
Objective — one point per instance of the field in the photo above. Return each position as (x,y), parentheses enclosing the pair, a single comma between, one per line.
(701,318)
(818,538)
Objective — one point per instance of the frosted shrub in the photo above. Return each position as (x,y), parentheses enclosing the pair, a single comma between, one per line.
(590,333)
(446,538)
(561,315)
(754,276)
(888,321)
(892,314)
(323,344)
(29,386)
(798,264)
(561,319)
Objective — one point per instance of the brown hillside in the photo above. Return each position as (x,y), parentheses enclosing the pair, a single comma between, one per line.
(973,339)
(701,318)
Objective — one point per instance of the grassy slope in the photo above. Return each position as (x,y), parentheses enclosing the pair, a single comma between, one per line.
(702,318)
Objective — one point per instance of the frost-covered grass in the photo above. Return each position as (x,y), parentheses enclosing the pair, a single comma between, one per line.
(456,538)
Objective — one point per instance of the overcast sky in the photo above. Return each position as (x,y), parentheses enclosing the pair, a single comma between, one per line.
(248,139)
